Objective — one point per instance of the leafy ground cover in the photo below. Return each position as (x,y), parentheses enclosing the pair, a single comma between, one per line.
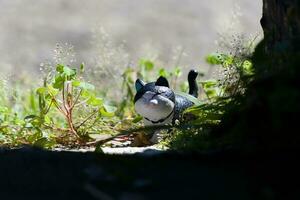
(67,110)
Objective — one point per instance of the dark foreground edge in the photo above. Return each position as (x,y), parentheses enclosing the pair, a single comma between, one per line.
(29,173)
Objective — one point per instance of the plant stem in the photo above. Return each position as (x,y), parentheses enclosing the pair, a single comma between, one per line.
(86,119)
(71,125)
(77,99)
(63,97)
(47,110)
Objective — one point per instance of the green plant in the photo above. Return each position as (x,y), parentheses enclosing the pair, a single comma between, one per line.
(220,95)
(235,73)
(67,110)
(14,129)
(67,92)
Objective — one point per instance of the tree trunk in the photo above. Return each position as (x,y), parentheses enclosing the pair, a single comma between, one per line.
(281,26)
(268,115)
(280,22)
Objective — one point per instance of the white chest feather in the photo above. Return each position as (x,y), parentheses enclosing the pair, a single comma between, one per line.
(155,107)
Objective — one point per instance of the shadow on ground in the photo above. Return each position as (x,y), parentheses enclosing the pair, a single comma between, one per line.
(36,174)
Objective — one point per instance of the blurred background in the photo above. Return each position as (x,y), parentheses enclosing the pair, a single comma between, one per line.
(119,32)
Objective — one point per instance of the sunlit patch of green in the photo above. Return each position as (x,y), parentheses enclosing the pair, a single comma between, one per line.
(66,93)
(67,110)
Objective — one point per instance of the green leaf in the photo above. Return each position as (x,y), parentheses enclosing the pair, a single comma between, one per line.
(65,72)
(76,83)
(82,68)
(110,108)
(41,90)
(107,111)
(32,101)
(83,85)
(60,68)
(34,137)
(219,59)
(177,72)
(211,93)
(18,121)
(91,98)
(163,72)
(44,143)
(209,84)
(69,72)
(211,88)
(87,94)
(215,59)
(228,60)
(95,101)
(52,91)
(3,109)
(59,82)
(148,65)
(47,119)
(137,119)
(248,67)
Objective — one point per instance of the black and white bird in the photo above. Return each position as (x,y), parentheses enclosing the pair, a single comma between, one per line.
(158,104)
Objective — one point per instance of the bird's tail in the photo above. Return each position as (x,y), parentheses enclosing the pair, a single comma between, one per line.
(193,86)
